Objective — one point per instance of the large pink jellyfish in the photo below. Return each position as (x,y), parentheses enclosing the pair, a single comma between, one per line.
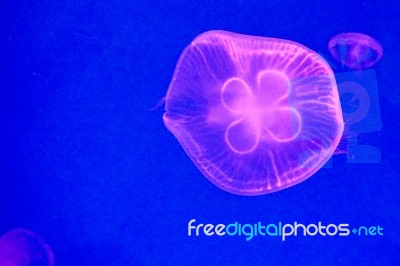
(254,114)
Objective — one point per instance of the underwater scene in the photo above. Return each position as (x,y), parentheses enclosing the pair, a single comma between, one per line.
(199,133)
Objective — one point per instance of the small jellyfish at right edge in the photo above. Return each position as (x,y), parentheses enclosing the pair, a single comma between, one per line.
(355,50)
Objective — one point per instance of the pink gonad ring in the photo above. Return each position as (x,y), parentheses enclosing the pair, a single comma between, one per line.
(255,114)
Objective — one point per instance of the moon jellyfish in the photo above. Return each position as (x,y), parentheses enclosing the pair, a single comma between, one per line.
(254,114)
(355,50)
(21,247)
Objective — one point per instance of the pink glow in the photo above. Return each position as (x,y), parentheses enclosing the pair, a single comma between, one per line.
(21,247)
(355,50)
(246,109)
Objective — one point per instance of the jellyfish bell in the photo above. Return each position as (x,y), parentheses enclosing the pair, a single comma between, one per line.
(20,247)
(254,114)
(355,50)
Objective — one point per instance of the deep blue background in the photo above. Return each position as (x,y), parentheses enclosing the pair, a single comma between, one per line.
(87,163)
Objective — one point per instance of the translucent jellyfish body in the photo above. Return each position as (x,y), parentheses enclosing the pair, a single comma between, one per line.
(21,247)
(254,114)
(355,50)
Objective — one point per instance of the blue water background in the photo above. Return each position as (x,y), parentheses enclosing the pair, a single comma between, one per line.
(87,163)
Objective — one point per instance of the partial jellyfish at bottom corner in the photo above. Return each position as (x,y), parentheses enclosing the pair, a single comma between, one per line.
(22,247)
